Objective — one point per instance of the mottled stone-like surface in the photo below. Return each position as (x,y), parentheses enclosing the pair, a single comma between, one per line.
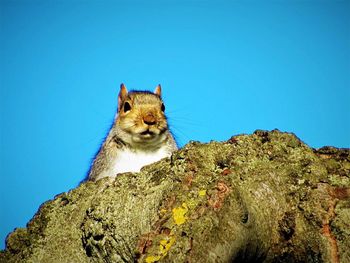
(265,197)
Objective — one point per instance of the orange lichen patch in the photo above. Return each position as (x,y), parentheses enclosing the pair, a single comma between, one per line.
(326,231)
(217,199)
(187,181)
(335,193)
(144,242)
(226,172)
(223,188)
(339,192)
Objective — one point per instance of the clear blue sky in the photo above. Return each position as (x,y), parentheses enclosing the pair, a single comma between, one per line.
(226,67)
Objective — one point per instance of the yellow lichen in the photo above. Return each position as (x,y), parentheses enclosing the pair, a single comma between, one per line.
(192,203)
(163,211)
(165,245)
(179,214)
(202,192)
(151,259)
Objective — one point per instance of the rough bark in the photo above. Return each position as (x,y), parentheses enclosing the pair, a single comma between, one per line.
(265,197)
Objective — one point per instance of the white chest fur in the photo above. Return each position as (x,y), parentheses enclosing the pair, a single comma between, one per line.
(133,161)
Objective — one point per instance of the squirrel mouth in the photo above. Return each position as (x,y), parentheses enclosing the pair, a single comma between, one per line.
(147,133)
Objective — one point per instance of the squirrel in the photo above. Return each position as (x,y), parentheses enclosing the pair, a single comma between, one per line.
(139,135)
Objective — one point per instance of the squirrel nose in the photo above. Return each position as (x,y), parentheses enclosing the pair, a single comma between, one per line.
(149,119)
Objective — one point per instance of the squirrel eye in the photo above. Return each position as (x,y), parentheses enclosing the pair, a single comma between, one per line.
(126,107)
(162,107)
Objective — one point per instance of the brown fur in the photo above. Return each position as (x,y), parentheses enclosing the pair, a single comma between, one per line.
(141,126)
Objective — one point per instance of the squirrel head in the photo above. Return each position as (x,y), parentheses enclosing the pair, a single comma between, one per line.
(141,116)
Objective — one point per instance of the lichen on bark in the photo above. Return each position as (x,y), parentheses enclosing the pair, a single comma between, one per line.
(265,197)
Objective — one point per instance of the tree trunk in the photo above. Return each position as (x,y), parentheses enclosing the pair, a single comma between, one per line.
(265,197)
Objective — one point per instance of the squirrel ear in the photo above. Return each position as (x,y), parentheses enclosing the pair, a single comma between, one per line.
(122,95)
(158,90)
